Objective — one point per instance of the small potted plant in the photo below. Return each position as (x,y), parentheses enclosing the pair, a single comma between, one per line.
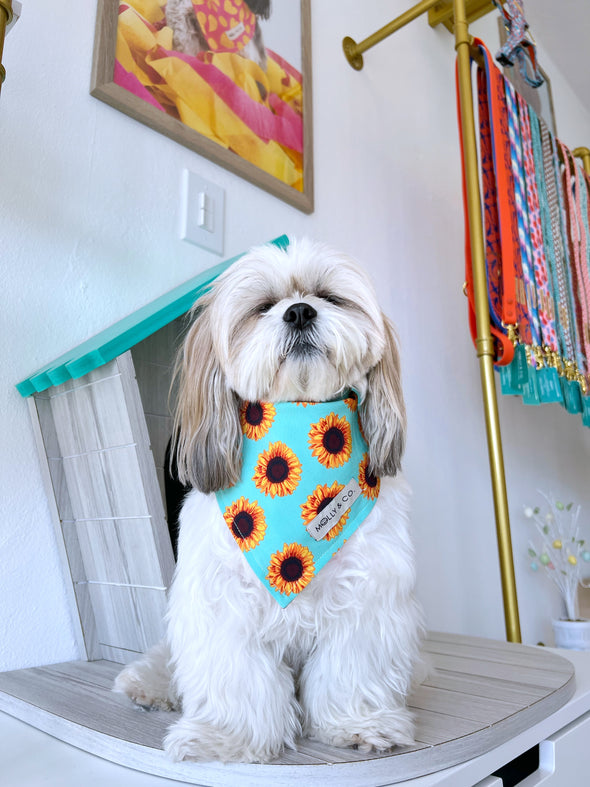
(561,553)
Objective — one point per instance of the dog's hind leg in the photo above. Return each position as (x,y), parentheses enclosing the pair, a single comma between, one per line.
(148,681)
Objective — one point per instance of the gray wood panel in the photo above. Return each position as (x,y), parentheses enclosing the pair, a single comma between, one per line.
(439,700)
(92,415)
(154,381)
(74,702)
(147,468)
(54,483)
(159,429)
(531,676)
(128,617)
(114,550)
(153,361)
(109,509)
(106,484)
(484,687)
(480,652)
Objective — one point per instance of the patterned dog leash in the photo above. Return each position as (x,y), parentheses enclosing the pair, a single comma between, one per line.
(554,232)
(574,362)
(544,296)
(577,247)
(537,249)
(524,234)
(509,317)
(543,384)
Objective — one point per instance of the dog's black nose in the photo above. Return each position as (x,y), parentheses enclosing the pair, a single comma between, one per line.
(300,315)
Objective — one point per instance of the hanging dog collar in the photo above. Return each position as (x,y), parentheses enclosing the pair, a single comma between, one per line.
(520,45)
(305,487)
(228,25)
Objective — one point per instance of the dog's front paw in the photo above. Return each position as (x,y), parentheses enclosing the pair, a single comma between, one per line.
(145,688)
(378,731)
(190,739)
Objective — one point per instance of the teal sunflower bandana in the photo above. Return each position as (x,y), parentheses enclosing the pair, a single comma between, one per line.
(305,488)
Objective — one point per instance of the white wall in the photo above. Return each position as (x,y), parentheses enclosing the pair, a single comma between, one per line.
(89,203)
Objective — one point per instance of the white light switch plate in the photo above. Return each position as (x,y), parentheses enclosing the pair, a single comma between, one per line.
(202,212)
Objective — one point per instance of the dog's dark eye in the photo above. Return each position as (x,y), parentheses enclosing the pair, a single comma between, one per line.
(265,307)
(333,299)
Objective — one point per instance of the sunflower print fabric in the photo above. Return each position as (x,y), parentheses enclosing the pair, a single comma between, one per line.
(256,418)
(369,483)
(278,471)
(331,441)
(319,499)
(298,462)
(247,522)
(290,570)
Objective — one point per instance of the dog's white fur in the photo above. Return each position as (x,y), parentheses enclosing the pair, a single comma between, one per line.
(337,663)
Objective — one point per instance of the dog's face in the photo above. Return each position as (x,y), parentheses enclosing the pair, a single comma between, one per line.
(286,325)
(297,325)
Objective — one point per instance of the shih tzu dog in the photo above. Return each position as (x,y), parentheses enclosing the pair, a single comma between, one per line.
(296,620)
(218,26)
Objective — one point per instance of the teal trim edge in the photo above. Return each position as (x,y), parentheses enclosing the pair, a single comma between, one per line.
(129,331)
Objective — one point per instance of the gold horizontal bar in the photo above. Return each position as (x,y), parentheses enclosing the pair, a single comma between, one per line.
(439,12)
(6,6)
(354,51)
(584,154)
(442,13)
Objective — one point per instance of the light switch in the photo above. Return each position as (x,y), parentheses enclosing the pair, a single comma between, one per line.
(203,219)
(202,209)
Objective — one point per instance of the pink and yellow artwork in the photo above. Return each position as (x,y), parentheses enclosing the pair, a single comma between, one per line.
(211,65)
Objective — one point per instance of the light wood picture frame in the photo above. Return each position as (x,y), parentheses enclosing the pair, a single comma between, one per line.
(255,122)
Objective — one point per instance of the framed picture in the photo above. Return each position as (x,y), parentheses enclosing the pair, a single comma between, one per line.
(230,79)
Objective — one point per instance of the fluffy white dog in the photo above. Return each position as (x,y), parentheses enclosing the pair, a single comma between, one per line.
(336,664)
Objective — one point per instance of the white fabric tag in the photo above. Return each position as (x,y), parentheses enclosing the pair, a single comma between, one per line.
(331,514)
(236,31)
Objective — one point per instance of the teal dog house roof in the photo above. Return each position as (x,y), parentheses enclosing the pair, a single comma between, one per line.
(126,333)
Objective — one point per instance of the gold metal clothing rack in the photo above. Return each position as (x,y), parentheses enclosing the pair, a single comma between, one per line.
(439,12)
(6,16)
(456,16)
(584,154)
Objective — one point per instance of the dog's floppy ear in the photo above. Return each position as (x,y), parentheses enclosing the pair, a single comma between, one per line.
(259,7)
(383,412)
(207,434)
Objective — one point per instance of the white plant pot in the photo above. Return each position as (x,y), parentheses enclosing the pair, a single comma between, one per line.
(572,634)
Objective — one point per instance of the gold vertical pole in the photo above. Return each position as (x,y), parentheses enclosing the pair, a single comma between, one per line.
(484,342)
(584,154)
(5,20)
